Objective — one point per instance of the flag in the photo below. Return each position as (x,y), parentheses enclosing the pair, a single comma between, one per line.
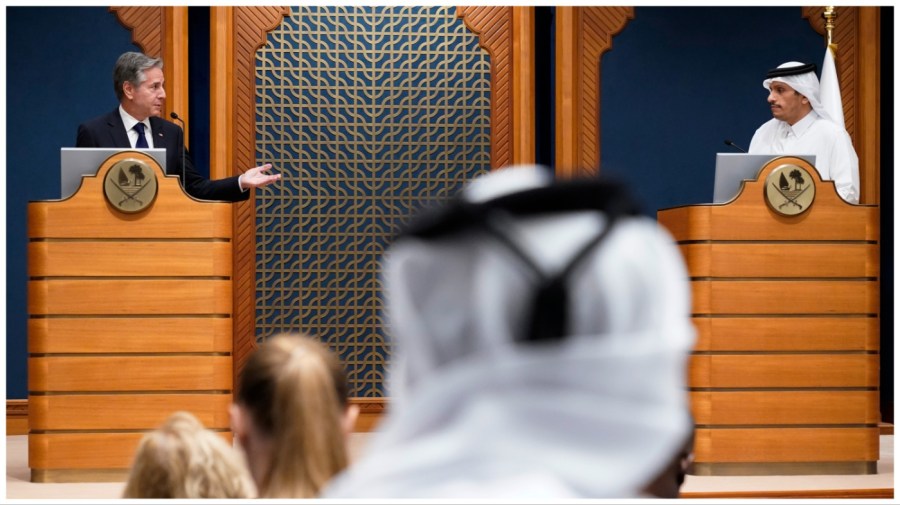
(830,90)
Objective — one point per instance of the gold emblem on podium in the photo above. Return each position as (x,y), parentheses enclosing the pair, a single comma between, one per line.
(790,190)
(130,186)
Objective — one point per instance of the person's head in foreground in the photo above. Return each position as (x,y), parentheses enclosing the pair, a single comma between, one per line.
(291,416)
(541,334)
(182,459)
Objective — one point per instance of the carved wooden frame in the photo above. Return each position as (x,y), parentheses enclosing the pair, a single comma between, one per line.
(583,35)
(494,27)
(147,25)
(249,28)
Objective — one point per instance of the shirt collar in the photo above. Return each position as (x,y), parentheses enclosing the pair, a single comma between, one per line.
(129,121)
(800,127)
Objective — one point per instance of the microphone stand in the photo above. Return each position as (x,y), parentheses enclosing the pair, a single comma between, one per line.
(174,116)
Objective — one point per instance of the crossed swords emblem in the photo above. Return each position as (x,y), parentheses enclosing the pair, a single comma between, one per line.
(131,196)
(790,199)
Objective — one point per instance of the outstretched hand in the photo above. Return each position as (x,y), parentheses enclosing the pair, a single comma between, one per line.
(257,178)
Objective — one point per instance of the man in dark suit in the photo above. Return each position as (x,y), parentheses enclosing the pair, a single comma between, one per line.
(138,80)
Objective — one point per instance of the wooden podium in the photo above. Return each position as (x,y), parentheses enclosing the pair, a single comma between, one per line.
(784,377)
(129,318)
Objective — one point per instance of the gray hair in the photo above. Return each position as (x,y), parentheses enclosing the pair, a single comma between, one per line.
(130,67)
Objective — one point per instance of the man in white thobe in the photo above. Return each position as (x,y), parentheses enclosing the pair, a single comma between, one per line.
(800,125)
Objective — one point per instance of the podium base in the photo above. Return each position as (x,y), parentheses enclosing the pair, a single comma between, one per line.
(763,469)
(62,475)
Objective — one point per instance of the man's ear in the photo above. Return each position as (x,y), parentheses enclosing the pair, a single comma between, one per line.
(128,90)
(348,420)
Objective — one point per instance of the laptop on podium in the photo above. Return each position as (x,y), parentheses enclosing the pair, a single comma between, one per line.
(733,168)
(76,162)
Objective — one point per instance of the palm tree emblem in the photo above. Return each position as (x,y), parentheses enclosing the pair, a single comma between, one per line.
(130,183)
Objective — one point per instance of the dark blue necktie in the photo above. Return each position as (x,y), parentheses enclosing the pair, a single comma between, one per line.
(142,140)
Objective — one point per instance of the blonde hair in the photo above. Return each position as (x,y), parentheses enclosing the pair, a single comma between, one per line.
(295,391)
(182,459)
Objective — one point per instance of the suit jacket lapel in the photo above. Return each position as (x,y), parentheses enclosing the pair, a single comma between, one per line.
(117,130)
(165,137)
(161,138)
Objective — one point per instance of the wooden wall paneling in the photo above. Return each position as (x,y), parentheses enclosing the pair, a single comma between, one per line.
(177,65)
(495,29)
(857,35)
(583,34)
(221,85)
(147,25)
(869,100)
(523,77)
(235,35)
(568,92)
(16,417)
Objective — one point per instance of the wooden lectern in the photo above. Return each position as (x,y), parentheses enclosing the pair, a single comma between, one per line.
(130,303)
(784,375)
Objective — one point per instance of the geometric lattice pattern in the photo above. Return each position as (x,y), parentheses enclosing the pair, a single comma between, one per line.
(368,113)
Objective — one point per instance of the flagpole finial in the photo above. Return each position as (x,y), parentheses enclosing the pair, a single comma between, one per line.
(830,14)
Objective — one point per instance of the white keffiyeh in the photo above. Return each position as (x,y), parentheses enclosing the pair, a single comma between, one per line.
(475,414)
(807,84)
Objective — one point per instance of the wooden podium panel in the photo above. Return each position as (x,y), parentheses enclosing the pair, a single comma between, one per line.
(130,319)
(784,374)
(124,412)
(800,407)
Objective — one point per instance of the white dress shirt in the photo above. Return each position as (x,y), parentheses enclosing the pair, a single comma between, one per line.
(835,157)
(129,123)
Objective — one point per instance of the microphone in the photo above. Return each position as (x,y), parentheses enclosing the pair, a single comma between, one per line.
(176,118)
(727,143)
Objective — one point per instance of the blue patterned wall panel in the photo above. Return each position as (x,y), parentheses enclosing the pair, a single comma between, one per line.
(368,113)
